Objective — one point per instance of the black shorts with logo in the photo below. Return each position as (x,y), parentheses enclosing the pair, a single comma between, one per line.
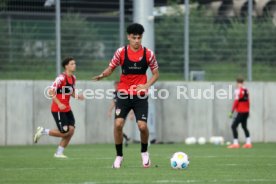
(124,103)
(64,120)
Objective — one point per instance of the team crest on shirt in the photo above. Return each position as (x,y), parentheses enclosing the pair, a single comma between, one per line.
(118,111)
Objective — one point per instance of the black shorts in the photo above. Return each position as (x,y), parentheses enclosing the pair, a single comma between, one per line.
(64,120)
(124,103)
(241,118)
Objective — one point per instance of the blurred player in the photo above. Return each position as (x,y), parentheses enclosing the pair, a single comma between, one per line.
(134,60)
(113,105)
(60,91)
(241,106)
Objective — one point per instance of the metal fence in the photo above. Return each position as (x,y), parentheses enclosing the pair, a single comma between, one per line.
(90,32)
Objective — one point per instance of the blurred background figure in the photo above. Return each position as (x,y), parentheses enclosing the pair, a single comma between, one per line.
(241,105)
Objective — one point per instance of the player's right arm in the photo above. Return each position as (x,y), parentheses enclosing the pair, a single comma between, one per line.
(108,71)
(115,61)
(235,103)
(61,106)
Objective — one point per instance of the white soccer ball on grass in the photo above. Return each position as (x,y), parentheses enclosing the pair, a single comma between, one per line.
(190,140)
(201,140)
(179,160)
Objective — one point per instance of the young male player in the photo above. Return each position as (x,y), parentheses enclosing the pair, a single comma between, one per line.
(241,105)
(61,91)
(134,60)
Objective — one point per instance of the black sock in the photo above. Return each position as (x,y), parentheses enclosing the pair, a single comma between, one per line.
(119,149)
(144,147)
(125,136)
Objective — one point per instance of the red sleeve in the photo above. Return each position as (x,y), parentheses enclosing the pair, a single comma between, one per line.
(58,82)
(151,60)
(116,60)
(236,101)
(235,104)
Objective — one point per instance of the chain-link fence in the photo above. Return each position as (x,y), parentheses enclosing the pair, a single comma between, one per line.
(217,41)
(90,33)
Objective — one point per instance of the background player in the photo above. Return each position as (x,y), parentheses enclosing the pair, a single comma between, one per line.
(241,105)
(61,90)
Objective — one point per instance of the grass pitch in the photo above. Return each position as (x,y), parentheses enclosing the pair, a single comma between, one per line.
(91,164)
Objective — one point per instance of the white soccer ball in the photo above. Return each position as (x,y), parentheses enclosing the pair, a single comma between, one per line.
(179,160)
(217,140)
(190,140)
(201,140)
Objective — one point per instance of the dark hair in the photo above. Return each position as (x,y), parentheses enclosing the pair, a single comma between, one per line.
(66,61)
(135,28)
(240,79)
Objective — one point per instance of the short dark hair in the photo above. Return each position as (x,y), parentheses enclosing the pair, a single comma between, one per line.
(66,61)
(240,79)
(135,28)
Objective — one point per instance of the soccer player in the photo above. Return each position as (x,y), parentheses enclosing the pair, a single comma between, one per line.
(112,106)
(61,91)
(134,60)
(241,106)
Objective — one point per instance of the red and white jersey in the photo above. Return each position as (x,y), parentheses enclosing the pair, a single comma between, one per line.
(129,82)
(241,103)
(61,81)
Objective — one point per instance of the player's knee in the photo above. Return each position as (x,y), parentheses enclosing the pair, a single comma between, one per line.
(245,129)
(142,127)
(234,127)
(71,131)
(64,129)
(118,126)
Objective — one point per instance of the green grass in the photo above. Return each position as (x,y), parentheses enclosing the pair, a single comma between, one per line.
(91,164)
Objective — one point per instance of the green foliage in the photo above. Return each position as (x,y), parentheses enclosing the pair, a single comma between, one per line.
(214,43)
(264,42)
(4,42)
(3,4)
(30,51)
(78,37)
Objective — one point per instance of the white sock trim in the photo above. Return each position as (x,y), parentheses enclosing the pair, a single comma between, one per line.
(45,131)
(248,140)
(60,150)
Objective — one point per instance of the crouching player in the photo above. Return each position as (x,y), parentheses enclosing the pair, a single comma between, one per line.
(61,91)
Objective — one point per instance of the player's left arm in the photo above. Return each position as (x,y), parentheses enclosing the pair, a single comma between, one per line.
(77,96)
(153,79)
(154,70)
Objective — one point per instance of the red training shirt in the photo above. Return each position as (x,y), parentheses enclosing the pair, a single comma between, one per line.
(63,98)
(128,83)
(241,106)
